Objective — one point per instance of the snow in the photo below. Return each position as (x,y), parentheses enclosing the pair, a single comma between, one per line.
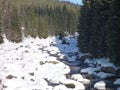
(103,75)
(90,70)
(33,65)
(95,66)
(60,87)
(117,81)
(100,85)
(102,61)
(79,78)
(118,88)
(77,84)
(28,65)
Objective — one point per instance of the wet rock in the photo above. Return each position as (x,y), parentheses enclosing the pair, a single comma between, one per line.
(90,76)
(65,42)
(32,73)
(84,57)
(118,72)
(74,69)
(70,85)
(108,69)
(0,80)
(10,77)
(101,85)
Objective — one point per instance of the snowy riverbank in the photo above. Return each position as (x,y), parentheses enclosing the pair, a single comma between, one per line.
(39,64)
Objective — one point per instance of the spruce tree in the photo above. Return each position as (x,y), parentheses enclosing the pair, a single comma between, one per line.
(113,34)
(1,38)
(14,32)
(84,26)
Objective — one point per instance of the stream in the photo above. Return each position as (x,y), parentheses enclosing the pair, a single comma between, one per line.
(76,67)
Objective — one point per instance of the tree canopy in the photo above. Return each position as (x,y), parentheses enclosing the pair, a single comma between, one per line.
(39,18)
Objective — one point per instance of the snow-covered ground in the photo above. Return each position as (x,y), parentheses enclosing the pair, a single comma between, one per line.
(32,65)
(29,66)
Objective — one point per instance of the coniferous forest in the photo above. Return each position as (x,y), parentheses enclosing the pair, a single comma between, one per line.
(40,18)
(99,29)
(97,22)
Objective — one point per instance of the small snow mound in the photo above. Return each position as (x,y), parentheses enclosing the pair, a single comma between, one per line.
(117,81)
(103,75)
(118,88)
(60,87)
(77,77)
(78,85)
(100,85)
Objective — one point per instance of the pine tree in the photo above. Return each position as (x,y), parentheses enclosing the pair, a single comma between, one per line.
(113,35)
(1,38)
(14,33)
(84,26)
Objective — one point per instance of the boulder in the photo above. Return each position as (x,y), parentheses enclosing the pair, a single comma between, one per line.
(108,69)
(101,85)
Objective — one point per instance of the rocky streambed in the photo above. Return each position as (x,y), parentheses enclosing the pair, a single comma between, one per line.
(95,74)
(94,84)
(51,64)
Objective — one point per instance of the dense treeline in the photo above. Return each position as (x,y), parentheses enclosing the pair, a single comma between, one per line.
(37,18)
(99,29)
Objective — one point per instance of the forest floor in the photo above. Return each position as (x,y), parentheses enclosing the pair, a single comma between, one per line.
(53,64)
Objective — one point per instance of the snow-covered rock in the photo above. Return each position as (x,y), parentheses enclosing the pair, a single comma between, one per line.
(101,85)
(118,88)
(78,85)
(60,87)
(90,70)
(86,81)
(117,81)
(32,64)
(28,64)
(79,78)
(103,75)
